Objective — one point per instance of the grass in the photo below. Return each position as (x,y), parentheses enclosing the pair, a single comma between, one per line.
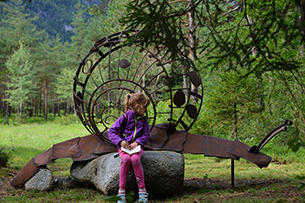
(29,140)
(207,179)
(212,167)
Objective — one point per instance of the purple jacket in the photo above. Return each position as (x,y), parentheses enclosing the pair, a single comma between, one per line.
(135,133)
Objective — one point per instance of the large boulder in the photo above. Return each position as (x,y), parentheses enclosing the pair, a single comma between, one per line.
(43,181)
(163,172)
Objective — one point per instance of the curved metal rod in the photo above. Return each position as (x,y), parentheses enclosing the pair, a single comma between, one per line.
(271,134)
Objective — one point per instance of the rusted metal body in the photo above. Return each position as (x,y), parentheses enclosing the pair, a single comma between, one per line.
(114,67)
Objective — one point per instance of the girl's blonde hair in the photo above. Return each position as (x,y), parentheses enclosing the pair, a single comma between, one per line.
(131,100)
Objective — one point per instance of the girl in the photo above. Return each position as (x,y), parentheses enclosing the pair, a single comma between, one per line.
(136,133)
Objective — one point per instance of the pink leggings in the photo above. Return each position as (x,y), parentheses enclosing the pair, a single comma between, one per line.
(135,159)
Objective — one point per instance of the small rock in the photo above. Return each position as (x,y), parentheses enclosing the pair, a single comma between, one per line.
(43,181)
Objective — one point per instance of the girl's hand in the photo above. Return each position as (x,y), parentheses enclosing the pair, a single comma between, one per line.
(133,145)
(124,144)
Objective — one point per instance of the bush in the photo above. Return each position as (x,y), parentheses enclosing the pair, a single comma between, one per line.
(4,157)
(67,119)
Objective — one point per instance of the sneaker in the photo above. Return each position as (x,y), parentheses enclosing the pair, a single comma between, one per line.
(123,198)
(143,197)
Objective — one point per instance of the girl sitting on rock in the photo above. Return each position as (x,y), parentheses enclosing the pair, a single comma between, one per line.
(136,133)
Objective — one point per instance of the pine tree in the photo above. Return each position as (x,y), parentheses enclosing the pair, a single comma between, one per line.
(20,76)
(16,26)
(57,63)
(46,74)
(64,87)
(80,43)
(231,100)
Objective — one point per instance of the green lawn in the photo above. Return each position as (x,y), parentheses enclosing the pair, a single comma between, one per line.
(207,179)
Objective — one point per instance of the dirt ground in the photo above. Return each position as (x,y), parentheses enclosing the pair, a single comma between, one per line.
(207,189)
(5,188)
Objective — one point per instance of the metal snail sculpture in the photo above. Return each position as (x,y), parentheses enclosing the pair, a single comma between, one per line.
(115,66)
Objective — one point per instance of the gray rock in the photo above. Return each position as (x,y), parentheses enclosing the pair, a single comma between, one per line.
(43,181)
(163,172)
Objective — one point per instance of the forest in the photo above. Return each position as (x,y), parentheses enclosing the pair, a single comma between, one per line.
(42,84)
(249,53)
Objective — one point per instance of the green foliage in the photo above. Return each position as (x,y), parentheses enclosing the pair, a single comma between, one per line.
(5,157)
(256,39)
(64,85)
(294,144)
(15,120)
(80,43)
(163,107)
(260,36)
(20,78)
(158,20)
(66,120)
(302,184)
(108,20)
(232,99)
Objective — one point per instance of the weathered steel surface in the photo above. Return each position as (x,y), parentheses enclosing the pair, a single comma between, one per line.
(61,151)
(111,69)
(92,146)
(241,150)
(25,174)
(269,136)
(44,158)
(217,147)
(194,144)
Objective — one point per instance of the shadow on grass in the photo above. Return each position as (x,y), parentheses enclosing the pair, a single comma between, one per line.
(197,184)
(20,156)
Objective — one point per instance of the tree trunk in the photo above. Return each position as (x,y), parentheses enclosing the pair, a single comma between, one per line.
(192,41)
(301,23)
(260,101)
(35,106)
(192,36)
(58,109)
(46,91)
(20,104)
(7,104)
(20,109)
(235,121)
(7,111)
(40,105)
(53,108)
(3,105)
(46,100)
(67,108)
(184,80)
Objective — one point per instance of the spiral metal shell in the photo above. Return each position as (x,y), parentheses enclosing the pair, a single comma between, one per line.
(116,66)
